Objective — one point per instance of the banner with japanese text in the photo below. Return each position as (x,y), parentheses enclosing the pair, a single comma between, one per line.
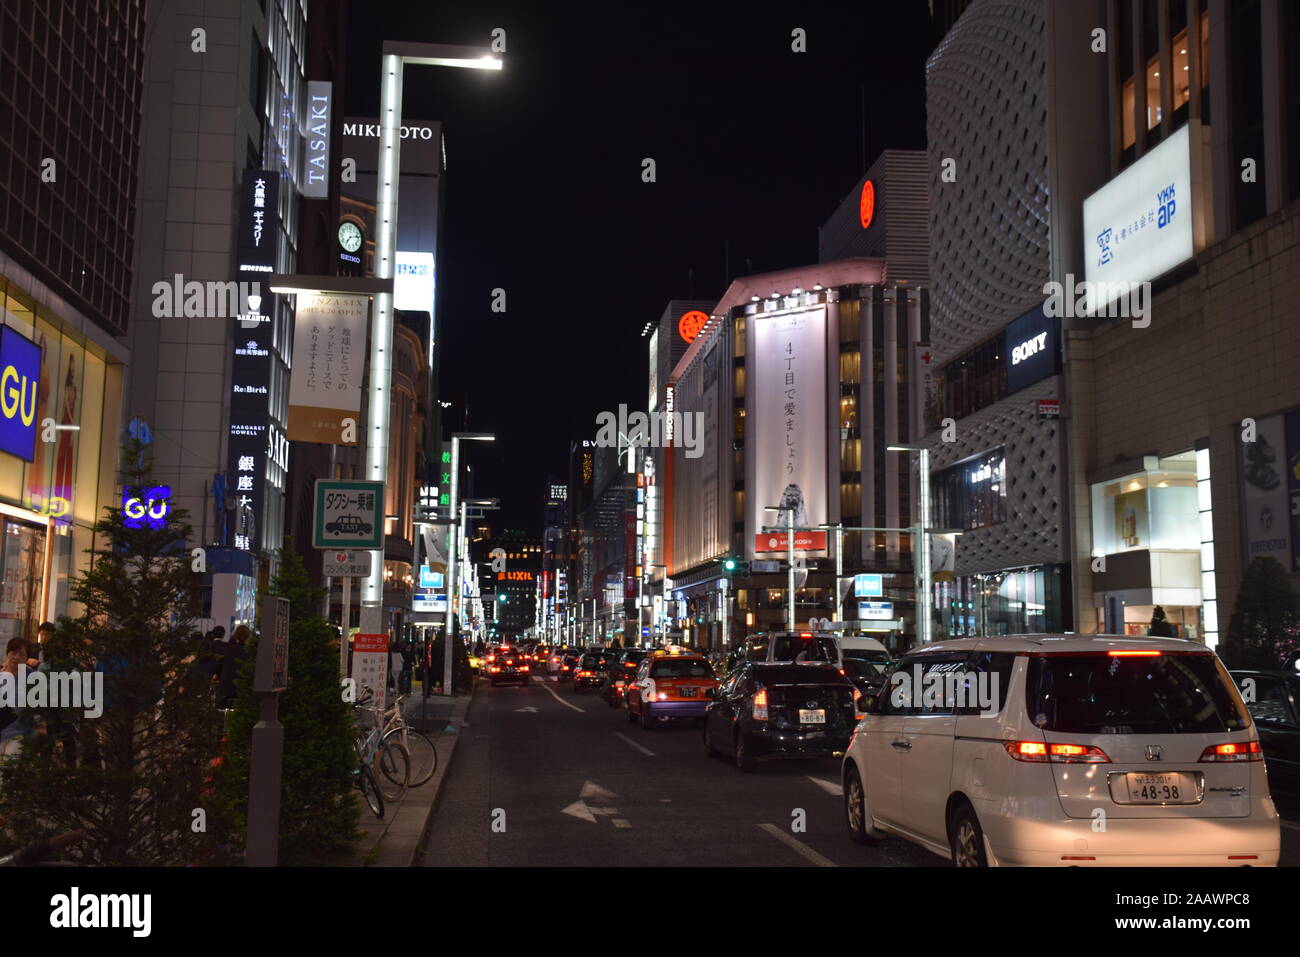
(329,351)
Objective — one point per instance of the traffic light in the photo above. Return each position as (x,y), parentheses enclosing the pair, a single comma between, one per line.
(735,567)
(501,597)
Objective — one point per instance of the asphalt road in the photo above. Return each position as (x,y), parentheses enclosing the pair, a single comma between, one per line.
(547,777)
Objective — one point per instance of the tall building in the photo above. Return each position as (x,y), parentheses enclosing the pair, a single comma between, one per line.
(1015,106)
(70,141)
(1186,448)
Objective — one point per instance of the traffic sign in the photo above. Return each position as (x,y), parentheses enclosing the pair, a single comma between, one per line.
(348,514)
(346,564)
(868,586)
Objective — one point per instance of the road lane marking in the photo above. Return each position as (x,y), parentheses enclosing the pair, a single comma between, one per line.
(640,747)
(798,846)
(580,810)
(830,787)
(561,700)
(526,710)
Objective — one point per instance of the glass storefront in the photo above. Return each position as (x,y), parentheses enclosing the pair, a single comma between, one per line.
(972,493)
(1021,601)
(48,505)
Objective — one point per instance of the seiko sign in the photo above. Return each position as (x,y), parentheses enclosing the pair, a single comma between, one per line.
(1030,349)
(372,129)
(316,157)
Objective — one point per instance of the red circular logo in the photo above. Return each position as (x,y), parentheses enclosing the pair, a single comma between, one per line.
(867,203)
(340,557)
(690,324)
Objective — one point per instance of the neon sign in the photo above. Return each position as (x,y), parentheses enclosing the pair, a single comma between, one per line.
(690,324)
(20,373)
(148,510)
(867,203)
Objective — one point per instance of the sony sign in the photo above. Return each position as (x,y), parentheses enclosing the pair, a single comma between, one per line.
(1030,349)
(316,133)
(1026,349)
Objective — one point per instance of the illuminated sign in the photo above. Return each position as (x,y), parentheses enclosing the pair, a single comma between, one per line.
(1139,225)
(259,223)
(316,156)
(1031,349)
(20,374)
(690,324)
(413,282)
(149,509)
(515,576)
(867,203)
(868,586)
(875,610)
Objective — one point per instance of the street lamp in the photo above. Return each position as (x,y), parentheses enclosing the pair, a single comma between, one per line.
(457,533)
(921,541)
(395,56)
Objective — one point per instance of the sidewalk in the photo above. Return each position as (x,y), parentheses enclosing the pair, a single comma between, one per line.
(395,841)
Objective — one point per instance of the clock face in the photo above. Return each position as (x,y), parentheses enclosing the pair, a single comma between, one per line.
(350,236)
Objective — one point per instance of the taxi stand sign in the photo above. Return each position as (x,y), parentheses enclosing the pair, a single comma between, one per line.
(348,514)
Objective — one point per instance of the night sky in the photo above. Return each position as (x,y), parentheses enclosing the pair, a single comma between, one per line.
(754,144)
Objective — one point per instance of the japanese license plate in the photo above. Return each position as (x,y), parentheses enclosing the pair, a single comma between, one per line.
(812,717)
(1168,787)
(688,692)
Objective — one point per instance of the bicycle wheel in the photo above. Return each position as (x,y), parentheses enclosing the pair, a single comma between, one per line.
(394,770)
(370,791)
(424,757)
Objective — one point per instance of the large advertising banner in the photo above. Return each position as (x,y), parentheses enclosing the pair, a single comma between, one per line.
(1265,500)
(787,424)
(329,348)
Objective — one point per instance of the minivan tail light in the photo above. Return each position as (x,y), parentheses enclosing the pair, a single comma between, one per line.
(1242,751)
(1145,653)
(760,705)
(1038,752)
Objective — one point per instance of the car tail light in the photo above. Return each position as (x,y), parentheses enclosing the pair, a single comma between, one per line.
(1144,653)
(805,634)
(1243,751)
(857,694)
(524,668)
(663,696)
(494,669)
(1037,752)
(510,661)
(492,657)
(564,667)
(760,705)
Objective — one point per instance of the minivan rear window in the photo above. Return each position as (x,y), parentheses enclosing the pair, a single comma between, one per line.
(681,668)
(799,648)
(799,675)
(1105,694)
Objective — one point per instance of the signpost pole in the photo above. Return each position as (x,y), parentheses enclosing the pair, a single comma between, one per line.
(839,571)
(347,622)
(267,758)
(789,625)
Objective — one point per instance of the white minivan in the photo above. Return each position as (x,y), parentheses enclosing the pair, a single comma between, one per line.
(1062,750)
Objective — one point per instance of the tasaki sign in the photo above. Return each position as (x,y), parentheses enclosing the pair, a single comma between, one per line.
(20,373)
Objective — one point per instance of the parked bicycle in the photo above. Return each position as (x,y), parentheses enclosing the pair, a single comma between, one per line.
(419,747)
(388,761)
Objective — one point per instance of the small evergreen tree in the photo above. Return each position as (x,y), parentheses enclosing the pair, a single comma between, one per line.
(136,776)
(318,806)
(1160,625)
(1264,621)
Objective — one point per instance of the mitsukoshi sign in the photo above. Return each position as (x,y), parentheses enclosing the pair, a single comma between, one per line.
(786,423)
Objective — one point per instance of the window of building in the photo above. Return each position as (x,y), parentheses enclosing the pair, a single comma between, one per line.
(1155,508)
(972,493)
(1245,56)
(970,382)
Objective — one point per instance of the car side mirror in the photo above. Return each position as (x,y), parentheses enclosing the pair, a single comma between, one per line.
(864,703)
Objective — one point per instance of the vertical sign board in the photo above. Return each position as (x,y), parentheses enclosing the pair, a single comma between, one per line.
(370,667)
(315,181)
(329,358)
(255,439)
(1265,500)
(348,514)
(789,425)
(272,672)
(20,374)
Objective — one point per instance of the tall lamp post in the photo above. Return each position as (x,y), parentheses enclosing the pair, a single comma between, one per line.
(395,56)
(453,563)
(921,542)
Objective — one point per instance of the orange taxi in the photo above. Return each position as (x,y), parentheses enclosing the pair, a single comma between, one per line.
(671,683)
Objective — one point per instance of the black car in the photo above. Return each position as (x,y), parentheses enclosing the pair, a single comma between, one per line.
(589,672)
(508,665)
(867,676)
(568,665)
(1273,700)
(780,710)
(619,673)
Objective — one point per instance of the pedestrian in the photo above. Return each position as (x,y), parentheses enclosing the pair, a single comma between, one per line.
(230,664)
(43,636)
(16,724)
